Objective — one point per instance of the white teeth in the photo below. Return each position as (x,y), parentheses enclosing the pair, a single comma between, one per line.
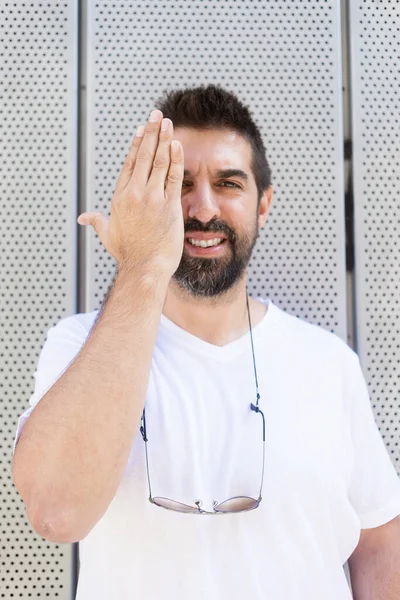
(205,243)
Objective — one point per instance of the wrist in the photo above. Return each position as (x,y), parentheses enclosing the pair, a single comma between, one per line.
(143,278)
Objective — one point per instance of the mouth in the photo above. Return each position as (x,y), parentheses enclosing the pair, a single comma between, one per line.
(204,244)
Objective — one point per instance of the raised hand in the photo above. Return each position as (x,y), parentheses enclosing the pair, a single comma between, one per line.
(145,231)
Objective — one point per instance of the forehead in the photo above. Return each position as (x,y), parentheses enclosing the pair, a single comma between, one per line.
(214,149)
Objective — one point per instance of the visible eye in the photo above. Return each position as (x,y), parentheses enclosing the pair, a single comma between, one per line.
(185,183)
(231,184)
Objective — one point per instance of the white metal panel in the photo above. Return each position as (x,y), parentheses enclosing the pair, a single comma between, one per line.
(376,162)
(38,252)
(284,60)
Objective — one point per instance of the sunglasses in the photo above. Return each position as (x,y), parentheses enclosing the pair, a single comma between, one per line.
(235,504)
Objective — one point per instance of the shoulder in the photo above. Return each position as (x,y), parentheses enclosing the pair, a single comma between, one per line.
(305,337)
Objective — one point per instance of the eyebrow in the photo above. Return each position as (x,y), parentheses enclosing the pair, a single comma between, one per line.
(225,173)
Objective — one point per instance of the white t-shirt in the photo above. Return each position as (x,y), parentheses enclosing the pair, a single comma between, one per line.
(327,471)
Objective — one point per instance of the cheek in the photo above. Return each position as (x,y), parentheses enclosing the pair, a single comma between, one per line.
(235,209)
(239,216)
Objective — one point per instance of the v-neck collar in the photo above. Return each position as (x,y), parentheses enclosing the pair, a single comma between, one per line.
(223,353)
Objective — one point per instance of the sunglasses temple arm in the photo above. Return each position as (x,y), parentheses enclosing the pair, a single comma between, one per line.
(144,436)
(262,475)
(258,410)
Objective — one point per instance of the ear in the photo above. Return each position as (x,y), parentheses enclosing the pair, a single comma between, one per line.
(265,203)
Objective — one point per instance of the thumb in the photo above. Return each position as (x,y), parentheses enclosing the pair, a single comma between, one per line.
(100,224)
(97,220)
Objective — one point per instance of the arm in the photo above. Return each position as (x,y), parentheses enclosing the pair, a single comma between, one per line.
(75,445)
(375,563)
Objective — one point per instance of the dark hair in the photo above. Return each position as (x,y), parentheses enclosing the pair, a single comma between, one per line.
(212,107)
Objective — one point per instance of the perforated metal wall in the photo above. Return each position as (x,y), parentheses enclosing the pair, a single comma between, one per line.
(284,60)
(38,252)
(375,70)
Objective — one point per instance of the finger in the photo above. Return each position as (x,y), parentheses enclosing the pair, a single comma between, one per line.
(147,150)
(162,158)
(96,219)
(173,189)
(129,163)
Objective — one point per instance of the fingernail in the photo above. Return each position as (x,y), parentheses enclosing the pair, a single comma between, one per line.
(140,131)
(155,116)
(164,124)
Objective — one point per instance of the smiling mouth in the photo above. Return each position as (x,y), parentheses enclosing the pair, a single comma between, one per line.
(201,243)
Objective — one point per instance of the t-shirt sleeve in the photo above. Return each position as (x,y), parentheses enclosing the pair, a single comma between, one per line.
(62,344)
(375,485)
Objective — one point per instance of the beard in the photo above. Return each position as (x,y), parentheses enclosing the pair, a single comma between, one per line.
(208,277)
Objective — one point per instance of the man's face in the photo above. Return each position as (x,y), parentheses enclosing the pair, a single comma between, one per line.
(219,203)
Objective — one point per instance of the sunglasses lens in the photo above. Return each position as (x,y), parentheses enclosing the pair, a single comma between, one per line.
(172,505)
(237,504)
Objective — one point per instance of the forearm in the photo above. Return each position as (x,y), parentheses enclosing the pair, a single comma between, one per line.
(376,576)
(75,445)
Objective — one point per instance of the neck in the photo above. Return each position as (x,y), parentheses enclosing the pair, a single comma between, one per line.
(218,320)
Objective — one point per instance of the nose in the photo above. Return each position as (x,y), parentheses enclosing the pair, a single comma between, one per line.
(202,204)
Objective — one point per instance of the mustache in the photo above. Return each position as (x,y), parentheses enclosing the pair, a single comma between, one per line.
(212,226)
